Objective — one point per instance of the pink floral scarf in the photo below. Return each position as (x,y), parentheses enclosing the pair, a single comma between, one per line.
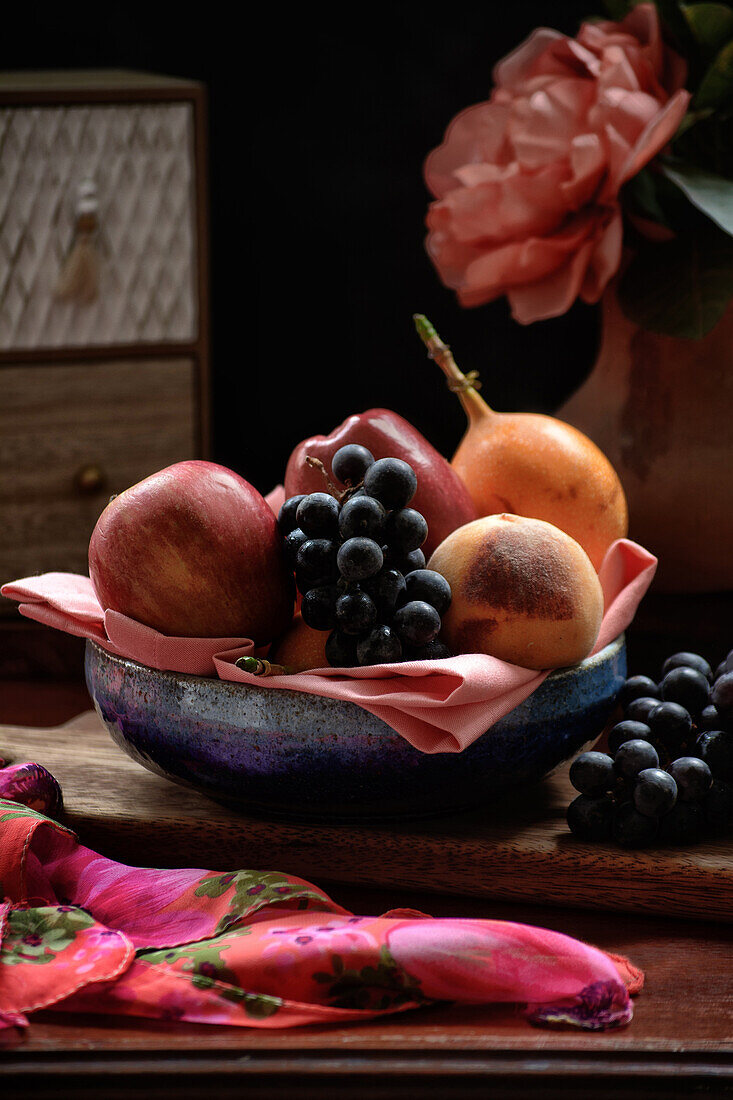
(81,933)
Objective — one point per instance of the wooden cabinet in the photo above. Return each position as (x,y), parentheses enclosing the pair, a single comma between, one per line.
(96,390)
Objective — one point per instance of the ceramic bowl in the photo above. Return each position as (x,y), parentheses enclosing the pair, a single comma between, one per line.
(295,755)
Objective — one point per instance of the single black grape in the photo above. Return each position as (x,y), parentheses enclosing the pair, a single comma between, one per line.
(433,651)
(655,792)
(634,688)
(391,481)
(716,749)
(387,589)
(405,530)
(362,516)
(359,558)
(293,542)
(721,670)
(639,709)
(341,650)
(430,586)
(671,723)
(722,695)
(633,757)
(687,660)
(591,818)
(627,730)
(286,517)
(381,646)
(687,686)
(718,806)
(318,515)
(592,773)
(684,824)
(416,623)
(692,776)
(632,829)
(709,718)
(356,612)
(315,563)
(409,563)
(318,607)
(350,463)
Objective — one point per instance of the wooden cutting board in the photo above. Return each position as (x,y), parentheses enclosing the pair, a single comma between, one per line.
(517,848)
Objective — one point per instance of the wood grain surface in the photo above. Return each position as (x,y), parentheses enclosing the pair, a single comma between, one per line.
(517,848)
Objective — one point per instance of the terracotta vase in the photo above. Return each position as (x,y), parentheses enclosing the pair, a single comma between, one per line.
(661,408)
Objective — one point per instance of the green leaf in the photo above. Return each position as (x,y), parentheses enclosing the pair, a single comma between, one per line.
(716,86)
(642,193)
(711,25)
(681,287)
(711,194)
(671,13)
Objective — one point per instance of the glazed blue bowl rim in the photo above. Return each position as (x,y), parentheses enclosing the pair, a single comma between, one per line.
(555,677)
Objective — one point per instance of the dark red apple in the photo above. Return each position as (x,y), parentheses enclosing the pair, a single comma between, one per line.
(441,495)
(193,551)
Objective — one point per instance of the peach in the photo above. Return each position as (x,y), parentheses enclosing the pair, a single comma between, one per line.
(300,648)
(523,591)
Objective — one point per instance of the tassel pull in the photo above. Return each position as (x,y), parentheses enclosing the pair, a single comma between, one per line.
(79,277)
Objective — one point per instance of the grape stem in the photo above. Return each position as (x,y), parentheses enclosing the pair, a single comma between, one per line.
(342,495)
(466,386)
(316,464)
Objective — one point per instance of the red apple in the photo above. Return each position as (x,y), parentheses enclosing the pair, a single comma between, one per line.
(441,496)
(193,551)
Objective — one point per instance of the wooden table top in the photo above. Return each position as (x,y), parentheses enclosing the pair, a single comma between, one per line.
(679,1044)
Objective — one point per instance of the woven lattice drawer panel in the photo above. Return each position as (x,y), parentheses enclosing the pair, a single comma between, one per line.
(140,159)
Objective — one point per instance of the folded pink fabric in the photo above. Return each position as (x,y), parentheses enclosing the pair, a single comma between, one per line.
(438,706)
(81,933)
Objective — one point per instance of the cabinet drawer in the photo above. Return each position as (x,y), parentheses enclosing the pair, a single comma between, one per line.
(70,436)
(140,158)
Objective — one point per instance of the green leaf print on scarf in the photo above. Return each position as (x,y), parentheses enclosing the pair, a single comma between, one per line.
(253,890)
(210,971)
(382,986)
(38,935)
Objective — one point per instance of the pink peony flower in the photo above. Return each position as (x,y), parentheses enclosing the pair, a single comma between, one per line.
(527,184)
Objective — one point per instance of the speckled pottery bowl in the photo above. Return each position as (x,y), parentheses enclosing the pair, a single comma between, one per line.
(295,755)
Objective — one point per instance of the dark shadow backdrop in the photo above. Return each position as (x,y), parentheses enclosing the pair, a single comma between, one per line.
(319,123)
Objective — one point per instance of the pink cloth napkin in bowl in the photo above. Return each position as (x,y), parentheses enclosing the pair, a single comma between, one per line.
(438,706)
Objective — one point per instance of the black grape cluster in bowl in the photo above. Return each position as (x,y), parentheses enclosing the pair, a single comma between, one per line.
(667,777)
(358,564)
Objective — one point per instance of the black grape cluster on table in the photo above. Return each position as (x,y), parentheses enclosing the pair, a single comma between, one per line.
(667,777)
(359,566)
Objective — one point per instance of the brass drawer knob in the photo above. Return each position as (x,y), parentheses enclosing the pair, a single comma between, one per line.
(90,479)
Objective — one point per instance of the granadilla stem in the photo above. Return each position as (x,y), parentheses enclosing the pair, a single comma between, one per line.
(465,385)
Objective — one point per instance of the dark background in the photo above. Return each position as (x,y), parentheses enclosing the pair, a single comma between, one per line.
(319,124)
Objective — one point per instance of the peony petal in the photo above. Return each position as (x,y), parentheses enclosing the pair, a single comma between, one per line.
(521,206)
(499,270)
(552,296)
(518,66)
(628,112)
(618,72)
(541,127)
(658,132)
(475,136)
(588,165)
(472,175)
(605,260)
